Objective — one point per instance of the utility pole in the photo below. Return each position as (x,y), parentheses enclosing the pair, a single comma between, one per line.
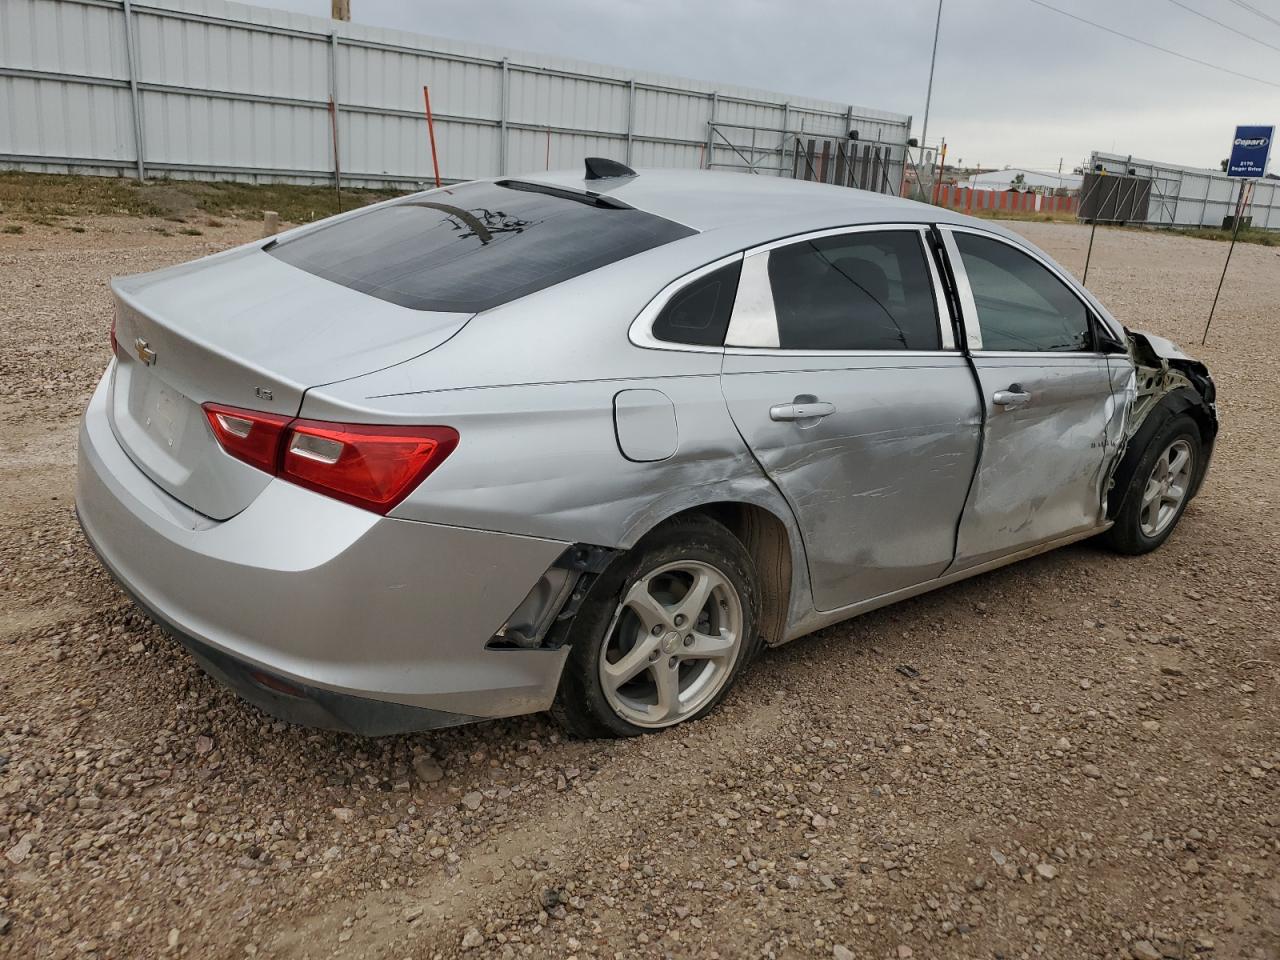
(928,97)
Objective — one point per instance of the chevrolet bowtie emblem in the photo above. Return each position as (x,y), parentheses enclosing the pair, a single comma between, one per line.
(144,351)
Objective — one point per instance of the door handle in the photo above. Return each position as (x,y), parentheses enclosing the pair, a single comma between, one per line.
(802,408)
(1015,396)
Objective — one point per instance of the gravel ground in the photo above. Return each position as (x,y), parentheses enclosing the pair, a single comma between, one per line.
(1088,764)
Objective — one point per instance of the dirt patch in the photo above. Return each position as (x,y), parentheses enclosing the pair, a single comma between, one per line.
(1086,765)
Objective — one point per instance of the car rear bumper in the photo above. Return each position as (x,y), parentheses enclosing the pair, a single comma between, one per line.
(319,612)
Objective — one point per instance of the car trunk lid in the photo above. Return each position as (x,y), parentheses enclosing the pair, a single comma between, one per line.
(243,329)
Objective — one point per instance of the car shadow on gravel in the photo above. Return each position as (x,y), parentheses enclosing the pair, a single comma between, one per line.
(889,630)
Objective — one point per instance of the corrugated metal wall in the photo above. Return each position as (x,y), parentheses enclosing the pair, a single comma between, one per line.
(1192,197)
(205,88)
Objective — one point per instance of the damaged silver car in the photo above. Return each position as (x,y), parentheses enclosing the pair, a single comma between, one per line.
(590,443)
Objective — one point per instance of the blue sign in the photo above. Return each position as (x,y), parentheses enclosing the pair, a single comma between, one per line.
(1249,151)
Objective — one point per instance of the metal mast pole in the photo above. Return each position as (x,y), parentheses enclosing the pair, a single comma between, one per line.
(1235,232)
(928,97)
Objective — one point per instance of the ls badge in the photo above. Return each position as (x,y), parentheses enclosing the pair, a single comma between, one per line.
(144,351)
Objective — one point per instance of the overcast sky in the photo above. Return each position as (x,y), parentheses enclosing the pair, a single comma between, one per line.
(1016,84)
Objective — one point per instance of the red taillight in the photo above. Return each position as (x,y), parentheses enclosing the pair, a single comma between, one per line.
(248,435)
(371,467)
(374,467)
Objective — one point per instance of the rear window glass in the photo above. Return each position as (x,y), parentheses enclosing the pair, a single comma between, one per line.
(475,246)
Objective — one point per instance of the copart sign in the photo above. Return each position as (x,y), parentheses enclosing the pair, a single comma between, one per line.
(1249,151)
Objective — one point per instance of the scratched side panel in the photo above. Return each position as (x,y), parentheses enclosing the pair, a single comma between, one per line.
(545,457)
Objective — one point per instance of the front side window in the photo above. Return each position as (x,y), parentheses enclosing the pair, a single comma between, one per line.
(475,246)
(854,291)
(1021,305)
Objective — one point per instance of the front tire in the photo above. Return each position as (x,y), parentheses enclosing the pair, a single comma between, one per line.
(1159,489)
(663,633)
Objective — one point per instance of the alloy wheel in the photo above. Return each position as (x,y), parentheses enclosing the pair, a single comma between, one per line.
(1166,488)
(673,643)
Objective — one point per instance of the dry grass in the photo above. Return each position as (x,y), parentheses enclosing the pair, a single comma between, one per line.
(1027,217)
(1266,238)
(50,199)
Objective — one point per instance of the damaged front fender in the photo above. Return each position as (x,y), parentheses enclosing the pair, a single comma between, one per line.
(1165,383)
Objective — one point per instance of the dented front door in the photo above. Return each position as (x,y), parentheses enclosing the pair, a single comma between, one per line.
(1047,395)
(1042,456)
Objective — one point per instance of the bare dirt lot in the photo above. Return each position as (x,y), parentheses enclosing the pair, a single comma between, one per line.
(1087,766)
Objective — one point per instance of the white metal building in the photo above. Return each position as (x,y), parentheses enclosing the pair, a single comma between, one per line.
(206,88)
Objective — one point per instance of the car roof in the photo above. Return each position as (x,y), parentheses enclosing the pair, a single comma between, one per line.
(733,211)
(712,200)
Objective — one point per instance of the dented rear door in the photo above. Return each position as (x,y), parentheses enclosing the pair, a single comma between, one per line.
(852,397)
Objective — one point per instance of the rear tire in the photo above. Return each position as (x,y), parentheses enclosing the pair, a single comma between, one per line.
(662,634)
(1159,489)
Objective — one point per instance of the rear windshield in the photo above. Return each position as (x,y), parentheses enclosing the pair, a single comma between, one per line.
(475,246)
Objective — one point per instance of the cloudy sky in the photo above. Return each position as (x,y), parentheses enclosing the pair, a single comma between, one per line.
(1017,84)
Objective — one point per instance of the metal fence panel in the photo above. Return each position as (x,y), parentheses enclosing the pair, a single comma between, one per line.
(57,119)
(543,99)
(672,113)
(656,154)
(1190,196)
(227,90)
(213,57)
(211,131)
(75,38)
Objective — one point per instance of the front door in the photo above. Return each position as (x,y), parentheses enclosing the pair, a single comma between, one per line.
(852,396)
(1048,398)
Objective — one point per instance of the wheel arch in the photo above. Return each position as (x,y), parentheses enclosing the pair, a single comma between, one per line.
(1183,400)
(774,546)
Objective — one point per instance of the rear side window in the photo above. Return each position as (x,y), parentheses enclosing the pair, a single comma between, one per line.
(856,291)
(1021,305)
(699,314)
(475,246)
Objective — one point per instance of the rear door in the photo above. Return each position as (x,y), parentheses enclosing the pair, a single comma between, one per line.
(1047,393)
(845,382)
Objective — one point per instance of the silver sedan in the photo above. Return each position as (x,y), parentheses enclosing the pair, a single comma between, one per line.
(589,443)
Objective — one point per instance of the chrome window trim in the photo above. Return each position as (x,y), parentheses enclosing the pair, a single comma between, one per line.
(754,321)
(1063,277)
(946,335)
(834,232)
(640,333)
(1023,354)
(754,330)
(968,306)
(854,354)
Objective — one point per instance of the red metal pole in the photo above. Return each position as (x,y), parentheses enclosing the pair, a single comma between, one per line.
(431,132)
